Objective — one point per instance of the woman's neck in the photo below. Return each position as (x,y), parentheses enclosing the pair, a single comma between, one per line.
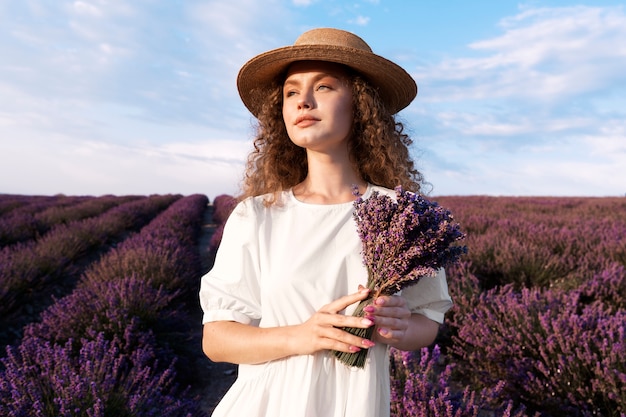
(330,180)
(329,186)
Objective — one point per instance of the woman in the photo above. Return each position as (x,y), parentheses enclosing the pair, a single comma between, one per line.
(289,271)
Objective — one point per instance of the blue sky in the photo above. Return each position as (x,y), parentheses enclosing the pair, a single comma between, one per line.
(139,97)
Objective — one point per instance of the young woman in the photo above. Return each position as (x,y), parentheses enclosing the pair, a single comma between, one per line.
(289,271)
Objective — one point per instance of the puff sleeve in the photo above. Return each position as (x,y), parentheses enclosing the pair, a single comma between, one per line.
(429,296)
(230,290)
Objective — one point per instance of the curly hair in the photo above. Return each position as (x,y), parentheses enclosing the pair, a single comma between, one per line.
(378,146)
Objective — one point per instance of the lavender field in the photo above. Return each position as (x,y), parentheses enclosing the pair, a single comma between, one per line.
(99,313)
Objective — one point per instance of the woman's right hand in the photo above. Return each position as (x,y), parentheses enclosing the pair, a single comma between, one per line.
(230,341)
(323,330)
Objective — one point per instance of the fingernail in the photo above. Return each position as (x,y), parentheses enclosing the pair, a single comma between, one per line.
(368,343)
(383,331)
(367,322)
(364,290)
(369,309)
(354,349)
(379,301)
(371,318)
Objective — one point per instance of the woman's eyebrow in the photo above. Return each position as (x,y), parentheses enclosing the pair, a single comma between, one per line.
(292,81)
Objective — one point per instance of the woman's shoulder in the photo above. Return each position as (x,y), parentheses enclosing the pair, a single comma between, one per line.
(263,202)
(393,193)
(380,190)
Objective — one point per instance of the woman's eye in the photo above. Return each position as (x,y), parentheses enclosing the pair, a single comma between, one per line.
(323,87)
(290,93)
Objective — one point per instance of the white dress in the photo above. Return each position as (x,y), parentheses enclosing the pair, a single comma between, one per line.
(276,267)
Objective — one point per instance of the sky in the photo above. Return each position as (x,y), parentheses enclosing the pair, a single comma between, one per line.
(139,97)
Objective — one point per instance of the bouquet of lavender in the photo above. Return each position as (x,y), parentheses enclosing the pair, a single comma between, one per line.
(403,241)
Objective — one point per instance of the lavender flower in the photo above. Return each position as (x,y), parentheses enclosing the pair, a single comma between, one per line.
(403,241)
(556,351)
(45,379)
(223,205)
(422,386)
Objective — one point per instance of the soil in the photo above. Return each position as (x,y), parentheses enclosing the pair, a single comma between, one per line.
(214,378)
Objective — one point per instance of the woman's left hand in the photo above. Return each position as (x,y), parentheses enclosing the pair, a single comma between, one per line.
(391,317)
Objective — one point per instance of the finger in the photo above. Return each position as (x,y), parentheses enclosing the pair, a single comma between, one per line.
(388,334)
(390,323)
(393,306)
(341,320)
(390,301)
(343,302)
(344,347)
(338,339)
(379,310)
(391,312)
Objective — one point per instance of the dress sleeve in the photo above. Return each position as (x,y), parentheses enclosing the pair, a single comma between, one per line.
(429,296)
(230,290)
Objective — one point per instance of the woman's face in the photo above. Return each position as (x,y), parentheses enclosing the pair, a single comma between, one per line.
(317,106)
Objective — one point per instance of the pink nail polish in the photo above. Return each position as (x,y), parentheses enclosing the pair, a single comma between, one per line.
(354,349)
(369,309)
(368,343)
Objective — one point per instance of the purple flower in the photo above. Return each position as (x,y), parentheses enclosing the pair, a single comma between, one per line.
(403,240)
(47,379)
(422,386)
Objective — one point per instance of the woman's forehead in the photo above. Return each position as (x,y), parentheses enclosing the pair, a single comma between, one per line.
(331,68)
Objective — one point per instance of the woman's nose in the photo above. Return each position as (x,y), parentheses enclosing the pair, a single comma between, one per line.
(305,101)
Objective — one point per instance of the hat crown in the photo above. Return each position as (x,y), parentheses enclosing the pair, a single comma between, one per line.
(332,37)
(396,87)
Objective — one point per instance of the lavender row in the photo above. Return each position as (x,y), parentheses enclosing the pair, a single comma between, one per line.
(17,220)
(223,205)
(114,341)
(87,208)
(561,352)
(10,202)
(423,386)
(36,219)
(543,242)
(51,380)
(31,266)
(164,257)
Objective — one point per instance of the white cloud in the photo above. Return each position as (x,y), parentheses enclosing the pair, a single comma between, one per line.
(58,164)
(557,168)
(544,54)
(483,123)
(89,9)
(360,20)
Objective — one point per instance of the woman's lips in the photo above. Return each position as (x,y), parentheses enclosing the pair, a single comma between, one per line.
(305,120)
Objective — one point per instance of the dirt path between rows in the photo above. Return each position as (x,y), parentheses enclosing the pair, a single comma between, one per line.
(214,378)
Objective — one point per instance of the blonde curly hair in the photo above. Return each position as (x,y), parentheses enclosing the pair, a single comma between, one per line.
(378,146)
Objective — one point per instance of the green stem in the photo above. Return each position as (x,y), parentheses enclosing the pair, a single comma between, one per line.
(357,359)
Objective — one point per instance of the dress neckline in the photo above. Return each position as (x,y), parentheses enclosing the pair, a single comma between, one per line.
(293,197)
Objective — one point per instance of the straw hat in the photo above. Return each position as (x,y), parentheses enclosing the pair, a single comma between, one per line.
(395,86)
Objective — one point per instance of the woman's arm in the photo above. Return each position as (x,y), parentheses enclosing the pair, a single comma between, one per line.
(228,341)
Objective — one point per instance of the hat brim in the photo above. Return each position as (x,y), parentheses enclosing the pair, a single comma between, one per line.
(395,86)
